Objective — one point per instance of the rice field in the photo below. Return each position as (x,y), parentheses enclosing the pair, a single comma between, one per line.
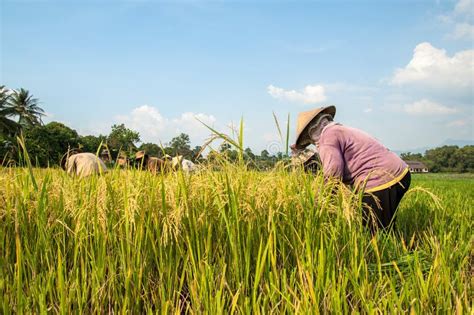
(231,241)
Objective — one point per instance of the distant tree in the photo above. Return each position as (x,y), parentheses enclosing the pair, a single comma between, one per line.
(463,159)
(224,147)
(47,144)
(408,156)
(26,108)
(8,126)
(151,149)
(196,153)
(91,143)
(212,156)
(122,138)
(441,159)
(265,160)
(181,145)
(249,154)
(264,155)
(8,149)
(18,110)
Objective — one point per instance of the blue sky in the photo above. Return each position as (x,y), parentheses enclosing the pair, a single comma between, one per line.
(402,71)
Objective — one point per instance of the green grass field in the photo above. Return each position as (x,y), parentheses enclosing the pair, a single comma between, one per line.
(233,241)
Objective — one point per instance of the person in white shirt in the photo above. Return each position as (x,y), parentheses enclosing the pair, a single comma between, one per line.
(186,165)
(82,164)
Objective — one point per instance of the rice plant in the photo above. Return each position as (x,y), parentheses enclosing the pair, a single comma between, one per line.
(228,241)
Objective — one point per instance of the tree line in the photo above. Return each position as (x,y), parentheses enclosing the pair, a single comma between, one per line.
(47,143)
(21,115)
(448,158)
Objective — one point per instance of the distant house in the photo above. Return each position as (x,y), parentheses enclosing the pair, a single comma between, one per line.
(417,167)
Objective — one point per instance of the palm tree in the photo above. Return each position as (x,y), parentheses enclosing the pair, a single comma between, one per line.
(26,108)
(7,125)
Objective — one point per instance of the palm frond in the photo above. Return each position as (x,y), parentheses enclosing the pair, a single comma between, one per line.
(26,108)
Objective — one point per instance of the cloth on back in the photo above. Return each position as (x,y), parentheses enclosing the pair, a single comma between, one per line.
(186,165)
(176,161)
(357,158)
(154,164)
(85,164)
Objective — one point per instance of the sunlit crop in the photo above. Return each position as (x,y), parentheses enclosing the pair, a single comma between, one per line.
(227,241)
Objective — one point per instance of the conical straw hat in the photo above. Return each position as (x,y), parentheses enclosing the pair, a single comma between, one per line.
(140,155)
(304,118)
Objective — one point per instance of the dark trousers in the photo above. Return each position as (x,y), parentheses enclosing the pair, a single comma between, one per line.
(380,206)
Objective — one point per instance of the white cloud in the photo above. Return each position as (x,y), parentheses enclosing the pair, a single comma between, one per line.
(432,67)
(145,119)
(426,107)
(463,30)
(154,127)
(458,123)
(311,94)
(190,123)
(368,110)
(464,8)
(461,19)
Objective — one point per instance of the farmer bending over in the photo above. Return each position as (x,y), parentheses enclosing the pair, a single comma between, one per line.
(74,162)
(357,159)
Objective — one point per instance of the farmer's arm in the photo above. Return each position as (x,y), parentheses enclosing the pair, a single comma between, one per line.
(332,158)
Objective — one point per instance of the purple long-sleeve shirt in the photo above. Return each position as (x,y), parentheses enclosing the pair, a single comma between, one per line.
(355,157)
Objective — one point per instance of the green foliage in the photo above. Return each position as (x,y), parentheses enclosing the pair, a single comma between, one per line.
(8,126)
(451,158)
(224,147)
(285,140)
(408,156)
(197,153)
(445,159)
(248,154)
(122,138)
(151,149)
(228,152)
(91,143)
(441,157)
(180,145)
(18,111)
(26,108)
(47,144)
(235,241)
(463,159)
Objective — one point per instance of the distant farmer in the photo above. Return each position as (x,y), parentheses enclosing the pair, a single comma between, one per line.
(186,165)
(82,164)
(122,160)
(153,164)
(357,159)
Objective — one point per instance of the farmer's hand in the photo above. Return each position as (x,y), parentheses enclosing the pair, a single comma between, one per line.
(295,148)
